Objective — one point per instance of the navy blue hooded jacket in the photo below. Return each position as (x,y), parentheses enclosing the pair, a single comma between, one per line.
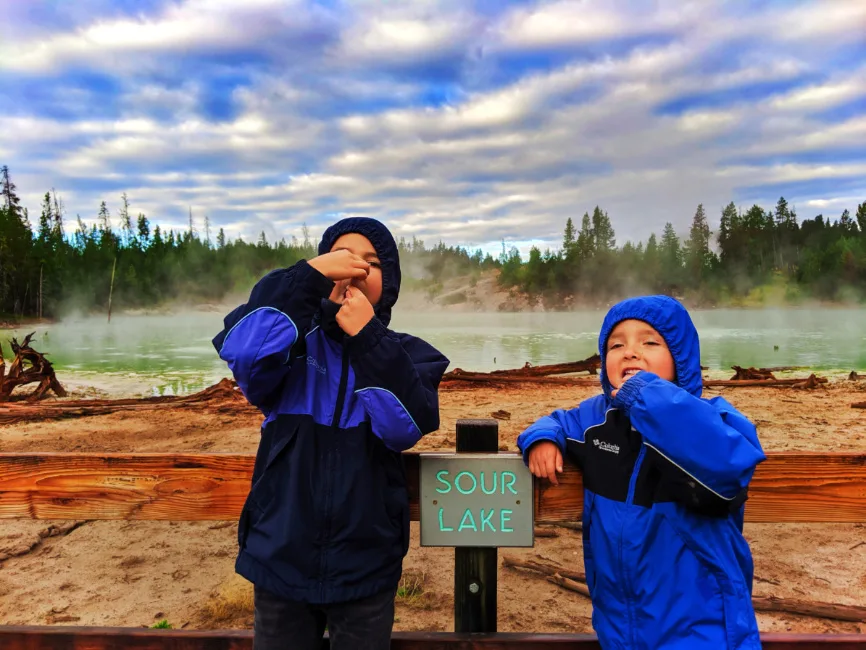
(665,477)
(327,516)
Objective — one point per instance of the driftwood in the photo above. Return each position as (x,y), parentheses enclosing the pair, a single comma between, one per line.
(543,567)
(751,373)
(529,372)
(833,611)
(571,525)
(569,584)
(225,391)
(458,375)
(40,371)
(811,381)
(575,581)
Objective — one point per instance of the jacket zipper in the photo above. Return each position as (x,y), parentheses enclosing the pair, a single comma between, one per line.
(341,393)
(628,504)
(338,412)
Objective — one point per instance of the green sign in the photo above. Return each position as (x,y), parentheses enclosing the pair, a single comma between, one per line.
(475,500)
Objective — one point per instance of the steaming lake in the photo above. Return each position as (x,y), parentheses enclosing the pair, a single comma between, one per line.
(173,354)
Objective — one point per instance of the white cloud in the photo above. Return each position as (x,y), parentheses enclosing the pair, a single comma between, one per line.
(342,126)
(822,96)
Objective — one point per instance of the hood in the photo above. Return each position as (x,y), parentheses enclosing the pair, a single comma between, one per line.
(670,319)
(386,249)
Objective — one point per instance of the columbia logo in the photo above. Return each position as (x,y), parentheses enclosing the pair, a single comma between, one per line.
(320,369)
(605,446)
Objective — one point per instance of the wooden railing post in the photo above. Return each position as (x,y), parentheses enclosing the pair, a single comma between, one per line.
(475,568)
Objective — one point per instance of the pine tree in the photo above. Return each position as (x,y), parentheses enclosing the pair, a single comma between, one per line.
(671,257)
(143,230)
(57,227)
(221,239)
(698,247)
(125,220)
(46,220)
(861,217)
(10,199)
(569,242)
(585,239)
(206,231)
(728,227)
(104,218)
(846,223)
(602,231)
(782,215)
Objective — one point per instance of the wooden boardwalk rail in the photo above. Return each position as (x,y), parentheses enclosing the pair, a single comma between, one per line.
(788,487)
(121,638)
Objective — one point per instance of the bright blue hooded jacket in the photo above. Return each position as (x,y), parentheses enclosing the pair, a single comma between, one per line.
(665,477)
(327,516)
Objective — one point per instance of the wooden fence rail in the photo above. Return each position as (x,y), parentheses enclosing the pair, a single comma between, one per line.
(120,638)
(787,487)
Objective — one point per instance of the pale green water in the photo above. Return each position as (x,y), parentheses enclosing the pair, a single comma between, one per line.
(173,354)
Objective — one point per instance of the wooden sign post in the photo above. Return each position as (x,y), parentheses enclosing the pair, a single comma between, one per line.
(475,568)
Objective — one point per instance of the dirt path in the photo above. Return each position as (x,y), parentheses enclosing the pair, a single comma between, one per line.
(136,573)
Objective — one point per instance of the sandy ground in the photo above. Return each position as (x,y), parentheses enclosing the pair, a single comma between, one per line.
(137,573)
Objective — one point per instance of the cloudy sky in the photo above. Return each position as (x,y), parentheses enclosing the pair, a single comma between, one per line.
(470,122)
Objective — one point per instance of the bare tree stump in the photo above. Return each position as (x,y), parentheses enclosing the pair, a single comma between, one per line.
(40,371)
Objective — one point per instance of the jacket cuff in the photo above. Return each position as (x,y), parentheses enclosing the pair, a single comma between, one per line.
(309,277)
(540,436)
(367,338)
(629,391)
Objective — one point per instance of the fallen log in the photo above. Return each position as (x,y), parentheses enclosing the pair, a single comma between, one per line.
(545,532)
(772,383)
(224,391)
(40,371)
(854,376)
(575,581)
(571,525)
(751,373)
(833,611)
(546,568)
(811,382)
(489,378)
(858,405)
(571,585)
(590,365)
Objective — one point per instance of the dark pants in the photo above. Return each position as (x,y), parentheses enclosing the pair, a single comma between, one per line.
(363,624)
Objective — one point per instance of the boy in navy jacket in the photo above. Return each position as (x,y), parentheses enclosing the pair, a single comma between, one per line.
(325,528)
(665,478)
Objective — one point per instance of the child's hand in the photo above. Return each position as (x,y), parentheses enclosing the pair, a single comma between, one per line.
(341,265)
(355,312)
(545,460)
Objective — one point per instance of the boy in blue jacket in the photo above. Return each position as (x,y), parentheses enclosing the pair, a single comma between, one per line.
(325,527)
(665,477)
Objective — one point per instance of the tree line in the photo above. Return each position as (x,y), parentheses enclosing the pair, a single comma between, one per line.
(751,256)
(51,264)
(54,265)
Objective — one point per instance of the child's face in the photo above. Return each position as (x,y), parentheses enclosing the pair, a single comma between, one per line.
(371,286)
(633,346)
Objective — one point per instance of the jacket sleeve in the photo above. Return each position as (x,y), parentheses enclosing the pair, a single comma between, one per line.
(706,450)
(397,379)
(556,427)
(261,337)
